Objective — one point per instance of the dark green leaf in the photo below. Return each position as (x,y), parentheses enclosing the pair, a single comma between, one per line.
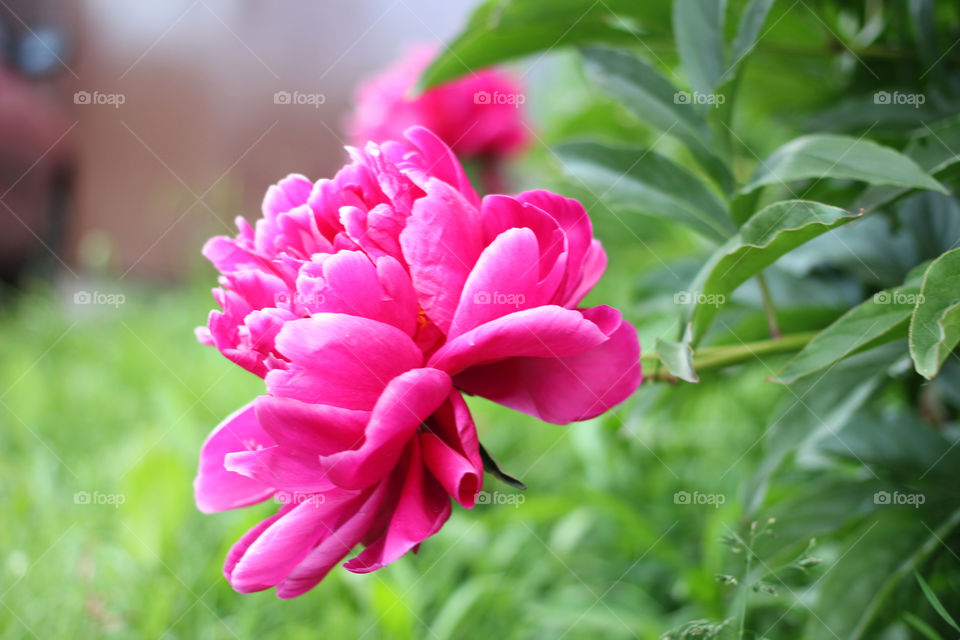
(698,29)
(491,466)
(935,601)
(500,30)
(935,325)
(678,358)
(834,156)
(879,320)
(765,237)
(643,181)
(655,100)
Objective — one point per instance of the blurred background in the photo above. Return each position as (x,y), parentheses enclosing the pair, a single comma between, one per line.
(132,132)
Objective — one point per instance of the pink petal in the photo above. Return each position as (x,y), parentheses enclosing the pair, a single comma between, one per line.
(441,243)
(441,162)
(503,281)
(318,563)
(217,489)
(458,476)
(340,359)
(320,428)
(284,468)
(544,332)
(268,554)
(422,508)
(405,404)
(567,388)
(594,264)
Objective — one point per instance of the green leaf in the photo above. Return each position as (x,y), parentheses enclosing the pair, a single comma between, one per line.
(935,325)
(751,22)
(500,30)
(698,29)
(766,236)
(879,320)
(834,156)
(859,585)
(643,181)
(933,148)
(935,602)
(678,358)
(652,98)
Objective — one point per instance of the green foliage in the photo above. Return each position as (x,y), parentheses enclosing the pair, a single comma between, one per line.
(814,186)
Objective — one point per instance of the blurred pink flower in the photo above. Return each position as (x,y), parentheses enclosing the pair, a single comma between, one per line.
(477,115)
(368,303)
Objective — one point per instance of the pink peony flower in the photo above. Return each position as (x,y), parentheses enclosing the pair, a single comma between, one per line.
(369,303)
(478,115)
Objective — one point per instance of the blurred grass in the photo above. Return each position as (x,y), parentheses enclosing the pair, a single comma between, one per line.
(116,401)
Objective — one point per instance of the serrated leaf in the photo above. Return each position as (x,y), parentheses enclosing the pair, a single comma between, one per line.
(834,156)
(698,30)
(643,181)
(652,98)
(935,325)
(878,320)
(765,237)
(678,358)
(932,148)
(500,30)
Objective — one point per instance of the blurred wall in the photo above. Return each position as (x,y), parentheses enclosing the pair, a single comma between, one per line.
(175,129)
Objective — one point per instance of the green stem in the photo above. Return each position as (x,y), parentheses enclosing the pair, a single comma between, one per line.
(768,307)
(719,357)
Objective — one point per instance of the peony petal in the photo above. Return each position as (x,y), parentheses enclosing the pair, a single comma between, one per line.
(217,489)
(405,404)
(422,508)
(441,243)
(503,281)
(268,554)
(544,332)
(568,388)
(320,428)
(283,468)
(451,469)
(340,359)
